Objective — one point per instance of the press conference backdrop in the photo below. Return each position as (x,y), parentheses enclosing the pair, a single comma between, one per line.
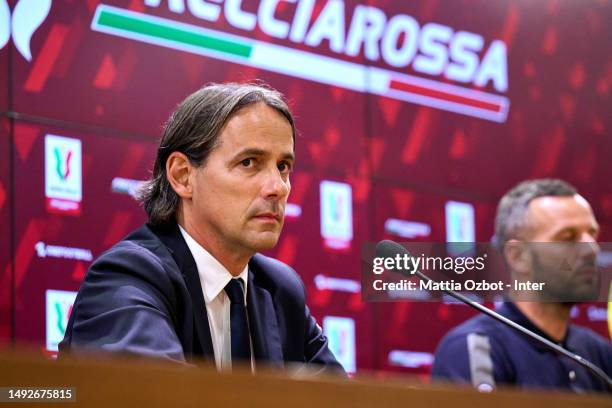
(414,118)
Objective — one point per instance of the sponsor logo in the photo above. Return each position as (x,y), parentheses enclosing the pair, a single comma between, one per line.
(27,17)
(54,251)
(410,359)
(323,282)
(575,312)
(58,308)
(63,174)
(597,314)
(436,53)
(125,186)
(293,210)
(340,332)
(460,227)
(407,229)
(336,214)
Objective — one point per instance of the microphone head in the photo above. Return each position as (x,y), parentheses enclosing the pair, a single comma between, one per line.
(388,249)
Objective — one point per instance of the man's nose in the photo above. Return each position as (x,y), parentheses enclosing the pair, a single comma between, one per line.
(588,244)
(275,185)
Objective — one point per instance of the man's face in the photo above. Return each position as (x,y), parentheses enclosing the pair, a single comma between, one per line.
(563,234)
(240,192)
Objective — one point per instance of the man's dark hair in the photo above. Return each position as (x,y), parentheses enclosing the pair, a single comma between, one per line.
(193,129)
(511,219)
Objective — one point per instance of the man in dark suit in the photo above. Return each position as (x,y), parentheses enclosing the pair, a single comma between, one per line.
(189,283)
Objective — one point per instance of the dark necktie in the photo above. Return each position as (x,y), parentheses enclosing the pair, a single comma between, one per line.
(241,343)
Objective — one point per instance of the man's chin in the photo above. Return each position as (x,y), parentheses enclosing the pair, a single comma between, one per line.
(571,296)
(264,241)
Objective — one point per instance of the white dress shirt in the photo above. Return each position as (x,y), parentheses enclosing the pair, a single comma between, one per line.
(213,278)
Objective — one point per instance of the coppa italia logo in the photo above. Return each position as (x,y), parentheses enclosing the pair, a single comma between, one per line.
(58,308)
(63,178)
(398,41)
(341,334)
(336,214)
(62,164)
(27,16)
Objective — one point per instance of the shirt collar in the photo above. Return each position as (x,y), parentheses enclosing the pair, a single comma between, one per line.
(213,275)
(509,310)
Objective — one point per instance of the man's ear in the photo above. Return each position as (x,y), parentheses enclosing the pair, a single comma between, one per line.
(518,257)
(178,171)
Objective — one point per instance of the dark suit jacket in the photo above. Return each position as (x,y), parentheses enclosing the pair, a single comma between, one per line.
(143,296)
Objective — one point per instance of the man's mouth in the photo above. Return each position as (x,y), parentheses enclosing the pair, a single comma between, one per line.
(268,216)
(587,273)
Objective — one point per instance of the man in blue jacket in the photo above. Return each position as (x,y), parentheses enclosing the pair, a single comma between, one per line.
(190,283)
(547,233)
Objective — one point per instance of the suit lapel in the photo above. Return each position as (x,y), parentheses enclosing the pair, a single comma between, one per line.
(174,241)
(260,307)
(262,319)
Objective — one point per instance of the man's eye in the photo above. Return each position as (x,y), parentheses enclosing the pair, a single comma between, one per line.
(284,167)
(568,237)
(246,162)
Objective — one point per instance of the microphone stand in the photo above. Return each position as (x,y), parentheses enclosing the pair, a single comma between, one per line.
(598,372)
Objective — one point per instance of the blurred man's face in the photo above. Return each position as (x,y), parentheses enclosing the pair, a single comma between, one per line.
(564,248)
(241,191)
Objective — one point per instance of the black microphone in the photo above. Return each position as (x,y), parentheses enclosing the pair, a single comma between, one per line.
(389,249)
